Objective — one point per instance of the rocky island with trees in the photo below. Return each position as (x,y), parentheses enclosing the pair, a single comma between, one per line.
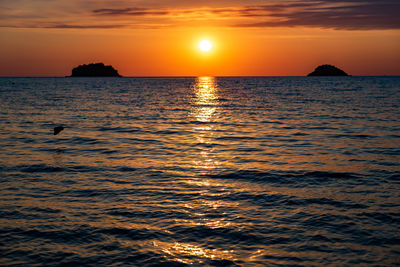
(94,70)
(327,70)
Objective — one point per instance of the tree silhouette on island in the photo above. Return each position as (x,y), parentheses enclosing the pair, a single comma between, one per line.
(94,70)
(327,70)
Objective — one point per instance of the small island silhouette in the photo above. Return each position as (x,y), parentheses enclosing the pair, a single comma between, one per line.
(94,70)
(327,70)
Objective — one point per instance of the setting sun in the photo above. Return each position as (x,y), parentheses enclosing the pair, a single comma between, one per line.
(205,45)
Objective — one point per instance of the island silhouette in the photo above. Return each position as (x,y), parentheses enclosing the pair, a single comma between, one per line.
(327,70)
(94,70)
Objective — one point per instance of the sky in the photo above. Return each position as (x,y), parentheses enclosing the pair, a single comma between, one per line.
(160,38)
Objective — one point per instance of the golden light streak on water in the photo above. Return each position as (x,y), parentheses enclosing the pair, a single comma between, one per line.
(186,252)
(205,100)
(205,109)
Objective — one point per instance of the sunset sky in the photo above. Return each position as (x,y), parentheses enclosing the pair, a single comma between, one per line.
(160,38)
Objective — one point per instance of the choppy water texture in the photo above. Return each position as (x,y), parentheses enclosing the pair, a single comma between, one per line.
(203,171)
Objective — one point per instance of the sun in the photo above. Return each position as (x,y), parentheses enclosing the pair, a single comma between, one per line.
(205,45)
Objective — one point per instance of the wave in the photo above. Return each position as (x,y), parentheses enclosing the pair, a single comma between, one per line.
(292,178)
(45,168)
(120,129)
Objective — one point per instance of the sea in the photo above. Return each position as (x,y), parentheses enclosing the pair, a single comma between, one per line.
(200,171)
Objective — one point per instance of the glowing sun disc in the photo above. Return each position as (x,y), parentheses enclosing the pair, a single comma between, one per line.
(205,45)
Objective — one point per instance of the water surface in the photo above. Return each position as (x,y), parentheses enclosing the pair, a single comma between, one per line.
(246,171)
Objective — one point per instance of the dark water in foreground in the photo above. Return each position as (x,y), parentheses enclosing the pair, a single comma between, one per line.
(203,171)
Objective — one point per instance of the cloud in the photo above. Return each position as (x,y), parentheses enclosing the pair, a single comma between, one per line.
(89,14)
(65,26)
(77,26)
(348,15)
(136,11)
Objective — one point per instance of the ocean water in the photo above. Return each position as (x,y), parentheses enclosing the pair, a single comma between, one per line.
(224,171)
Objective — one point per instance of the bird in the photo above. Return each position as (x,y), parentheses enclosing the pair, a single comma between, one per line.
(58,129)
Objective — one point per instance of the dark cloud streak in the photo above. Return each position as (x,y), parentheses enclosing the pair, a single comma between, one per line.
(82,14)
(75,26)
(348,15)
(136,11)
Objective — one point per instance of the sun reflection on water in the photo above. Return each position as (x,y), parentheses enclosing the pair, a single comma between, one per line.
(205,110)
(190,254)
(205,102)
(203,115)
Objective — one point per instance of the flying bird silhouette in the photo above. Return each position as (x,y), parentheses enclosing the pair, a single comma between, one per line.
(58,129)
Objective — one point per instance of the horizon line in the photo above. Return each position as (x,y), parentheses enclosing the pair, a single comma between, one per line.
(195,76)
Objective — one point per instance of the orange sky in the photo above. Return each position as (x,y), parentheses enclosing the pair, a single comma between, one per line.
(160,38)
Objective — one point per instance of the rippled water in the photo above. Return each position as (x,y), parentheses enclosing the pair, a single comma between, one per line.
(207,171)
